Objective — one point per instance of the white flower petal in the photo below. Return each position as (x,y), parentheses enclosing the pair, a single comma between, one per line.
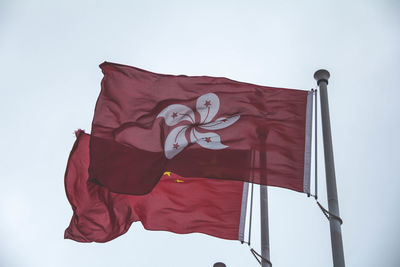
(207,140)
(173,114)
(220,123)
(176,141)
(207,105)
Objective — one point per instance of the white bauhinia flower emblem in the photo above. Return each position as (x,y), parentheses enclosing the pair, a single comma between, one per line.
(207,106)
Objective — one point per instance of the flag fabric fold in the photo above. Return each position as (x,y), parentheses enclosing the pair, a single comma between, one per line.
(176,204)
(146,123)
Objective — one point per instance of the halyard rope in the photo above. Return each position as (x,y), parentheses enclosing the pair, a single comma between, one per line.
(255,254)
(328,214)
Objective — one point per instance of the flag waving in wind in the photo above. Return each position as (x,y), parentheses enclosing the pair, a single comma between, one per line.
(147,123)
(177,204)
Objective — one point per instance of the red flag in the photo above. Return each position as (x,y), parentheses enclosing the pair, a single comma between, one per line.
(177,204)
(146,123)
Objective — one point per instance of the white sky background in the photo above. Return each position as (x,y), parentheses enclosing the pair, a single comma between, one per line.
(50,80)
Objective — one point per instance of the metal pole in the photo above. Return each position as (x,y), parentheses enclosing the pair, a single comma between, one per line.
(322,77)
(264,225)
(265,251)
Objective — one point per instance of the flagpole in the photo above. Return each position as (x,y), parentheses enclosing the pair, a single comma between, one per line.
(265,252)
(322,77)
(265,249)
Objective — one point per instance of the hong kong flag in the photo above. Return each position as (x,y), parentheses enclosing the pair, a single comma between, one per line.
(147,123)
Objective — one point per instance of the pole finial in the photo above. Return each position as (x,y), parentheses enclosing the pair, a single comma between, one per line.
(322,76)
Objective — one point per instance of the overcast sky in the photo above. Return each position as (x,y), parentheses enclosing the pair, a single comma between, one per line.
(50,80)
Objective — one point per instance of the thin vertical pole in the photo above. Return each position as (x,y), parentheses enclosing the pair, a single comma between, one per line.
(316,146)
(322,77)
(265,249)
(265,252)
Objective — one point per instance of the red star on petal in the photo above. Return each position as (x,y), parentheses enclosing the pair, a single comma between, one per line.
(208,103)
(176,145)
(207,139)
(174,115)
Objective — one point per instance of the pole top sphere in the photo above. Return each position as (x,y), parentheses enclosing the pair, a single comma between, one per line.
(219,264)
(322,76)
